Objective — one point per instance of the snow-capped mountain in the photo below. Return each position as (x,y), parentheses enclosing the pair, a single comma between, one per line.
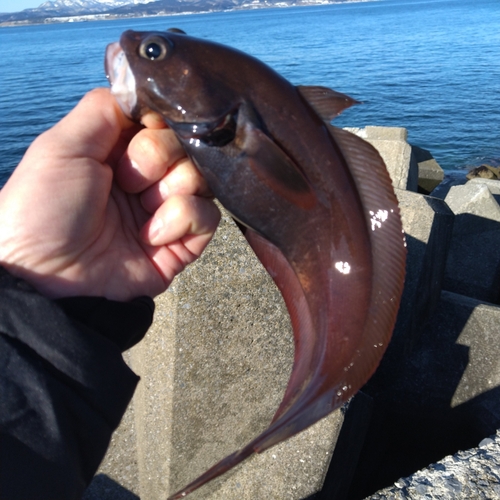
(63,10)
(74,7)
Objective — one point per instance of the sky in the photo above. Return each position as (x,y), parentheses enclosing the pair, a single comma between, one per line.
(18,5)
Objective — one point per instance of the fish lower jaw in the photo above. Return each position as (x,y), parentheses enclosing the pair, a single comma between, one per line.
(121,78)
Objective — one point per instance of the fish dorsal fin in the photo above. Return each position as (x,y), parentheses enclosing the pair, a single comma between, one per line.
(326,102)
(388,248)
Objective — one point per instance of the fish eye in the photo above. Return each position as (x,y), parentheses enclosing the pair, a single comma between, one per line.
(154,48)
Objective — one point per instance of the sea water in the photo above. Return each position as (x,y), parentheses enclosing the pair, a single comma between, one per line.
(432,66)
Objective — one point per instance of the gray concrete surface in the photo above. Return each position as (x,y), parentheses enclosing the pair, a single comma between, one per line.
(213,369)
(474,198)
(453,380)
(428,224)
(430,174)
(473,265)
(216,362)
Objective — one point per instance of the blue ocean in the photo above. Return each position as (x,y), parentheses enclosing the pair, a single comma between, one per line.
(432,66)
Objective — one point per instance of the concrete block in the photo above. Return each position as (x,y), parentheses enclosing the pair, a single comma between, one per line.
(480,334)
(386,133)
(427,223)
(118,475)
(445,398)
(473,265)
(391,143)
(459,357)
(430,174)
(491,184)
(451,178)
(214,368)
(474,198)
(350,442)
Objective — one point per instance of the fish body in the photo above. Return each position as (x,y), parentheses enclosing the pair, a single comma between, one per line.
(315,203)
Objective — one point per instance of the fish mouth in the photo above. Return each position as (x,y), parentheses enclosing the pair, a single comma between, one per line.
(121,78)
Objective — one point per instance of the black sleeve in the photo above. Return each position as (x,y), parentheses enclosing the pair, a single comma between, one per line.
(63,386)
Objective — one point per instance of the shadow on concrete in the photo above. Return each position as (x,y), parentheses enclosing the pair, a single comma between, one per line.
(473,266)
(103,487)
(451,178)
(411,421)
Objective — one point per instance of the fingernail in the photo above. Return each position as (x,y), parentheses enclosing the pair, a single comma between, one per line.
(135,165)
(155,228)
(164,191)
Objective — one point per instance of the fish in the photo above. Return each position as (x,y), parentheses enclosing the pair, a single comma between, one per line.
(315,203)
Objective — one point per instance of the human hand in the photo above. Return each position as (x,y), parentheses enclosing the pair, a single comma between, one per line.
(101,206)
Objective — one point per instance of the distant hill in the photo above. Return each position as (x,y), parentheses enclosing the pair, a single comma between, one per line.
(80,10)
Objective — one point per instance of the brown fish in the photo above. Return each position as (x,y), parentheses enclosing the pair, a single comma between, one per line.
(315,203)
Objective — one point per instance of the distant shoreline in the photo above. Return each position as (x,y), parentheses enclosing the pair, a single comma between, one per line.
(113,17)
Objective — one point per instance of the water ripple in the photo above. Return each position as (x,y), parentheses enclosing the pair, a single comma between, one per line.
(430,66)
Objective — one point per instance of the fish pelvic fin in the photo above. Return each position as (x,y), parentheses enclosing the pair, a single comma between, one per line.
(327,103)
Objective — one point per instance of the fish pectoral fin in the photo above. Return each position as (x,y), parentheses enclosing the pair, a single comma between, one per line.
(274,167)
(327,103)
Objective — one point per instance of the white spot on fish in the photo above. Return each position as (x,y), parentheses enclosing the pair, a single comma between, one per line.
(343,267)
(378,218)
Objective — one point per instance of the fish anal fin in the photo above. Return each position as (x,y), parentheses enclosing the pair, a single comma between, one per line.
(383,220)
(291,289)
(327,103)
(274,167)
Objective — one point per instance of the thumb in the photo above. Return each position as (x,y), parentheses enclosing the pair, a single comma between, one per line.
(92,128)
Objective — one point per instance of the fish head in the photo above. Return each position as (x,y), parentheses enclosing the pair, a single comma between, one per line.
(167,72)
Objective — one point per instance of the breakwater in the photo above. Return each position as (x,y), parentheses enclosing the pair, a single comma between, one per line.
(217,359)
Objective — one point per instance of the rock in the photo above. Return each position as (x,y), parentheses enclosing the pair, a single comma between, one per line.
(484,172)
(471,474)
(391,143)
(430,174)
(214,368)
(473,265)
